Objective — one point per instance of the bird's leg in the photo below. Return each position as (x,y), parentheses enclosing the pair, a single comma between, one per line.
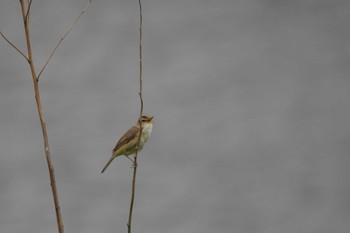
(129,158)
(133,162)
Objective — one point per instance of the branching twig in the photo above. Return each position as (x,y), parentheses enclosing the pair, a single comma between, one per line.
(28,9)
(139,139)
(25,10)
(64,36)
(14,46)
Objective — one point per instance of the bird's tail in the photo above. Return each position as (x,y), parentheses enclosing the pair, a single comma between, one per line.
(108,163)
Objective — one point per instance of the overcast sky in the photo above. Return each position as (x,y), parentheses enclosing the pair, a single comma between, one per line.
(251,128)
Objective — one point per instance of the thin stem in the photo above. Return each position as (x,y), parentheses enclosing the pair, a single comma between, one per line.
(140,53)
(133,188)
(42,119)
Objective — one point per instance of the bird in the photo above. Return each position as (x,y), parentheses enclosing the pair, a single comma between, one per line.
(128,143)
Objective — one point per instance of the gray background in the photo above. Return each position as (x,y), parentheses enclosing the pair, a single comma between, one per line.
(251,105)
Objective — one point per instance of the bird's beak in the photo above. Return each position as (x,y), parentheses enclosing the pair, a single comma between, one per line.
(150,119)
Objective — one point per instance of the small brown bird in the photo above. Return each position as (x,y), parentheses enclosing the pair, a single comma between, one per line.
(128,143)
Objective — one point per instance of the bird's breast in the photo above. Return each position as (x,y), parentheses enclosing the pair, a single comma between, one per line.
(146,131)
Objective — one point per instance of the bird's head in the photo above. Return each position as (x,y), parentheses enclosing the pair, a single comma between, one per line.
(146,120)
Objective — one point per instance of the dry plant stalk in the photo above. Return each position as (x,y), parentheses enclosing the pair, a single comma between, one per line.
(25,10)
(141,111)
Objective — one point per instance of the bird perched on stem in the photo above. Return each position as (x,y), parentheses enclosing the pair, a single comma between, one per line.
(128,143)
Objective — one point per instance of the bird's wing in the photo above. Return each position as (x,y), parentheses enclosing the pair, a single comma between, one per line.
(127,137)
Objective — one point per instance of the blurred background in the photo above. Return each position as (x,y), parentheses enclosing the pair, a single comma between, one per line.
(251,105)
